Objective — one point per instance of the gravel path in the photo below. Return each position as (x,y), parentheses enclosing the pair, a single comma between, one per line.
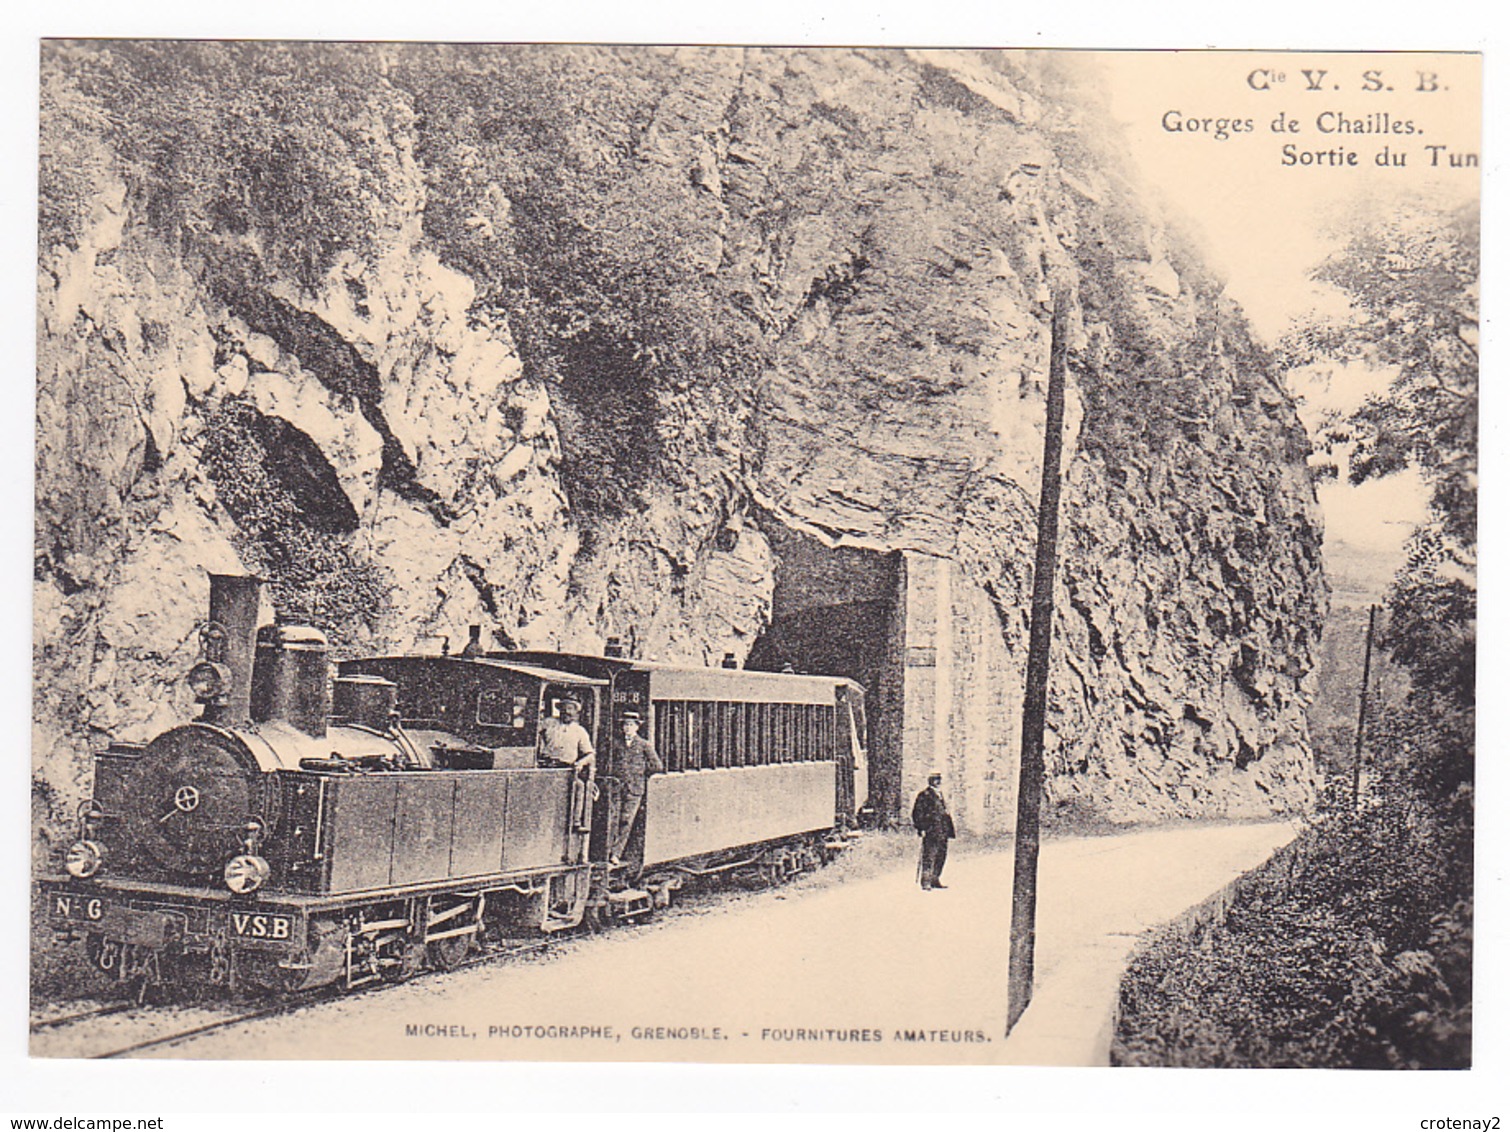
(854,964)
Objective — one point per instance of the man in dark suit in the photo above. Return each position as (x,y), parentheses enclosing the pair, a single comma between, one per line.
(635,761)
(930,817)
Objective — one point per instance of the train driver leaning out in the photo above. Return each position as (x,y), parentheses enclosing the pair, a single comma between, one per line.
(564,741)
(637,761)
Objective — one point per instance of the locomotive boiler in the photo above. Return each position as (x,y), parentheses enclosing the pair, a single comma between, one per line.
(307,830)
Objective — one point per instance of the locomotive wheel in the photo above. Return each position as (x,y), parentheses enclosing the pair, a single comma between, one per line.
(263,973)
(448,954)
(411,962)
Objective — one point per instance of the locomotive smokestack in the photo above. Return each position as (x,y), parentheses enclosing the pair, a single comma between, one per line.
(230,639)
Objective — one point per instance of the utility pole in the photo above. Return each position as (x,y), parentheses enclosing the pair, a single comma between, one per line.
(1035,698)
(1368,657)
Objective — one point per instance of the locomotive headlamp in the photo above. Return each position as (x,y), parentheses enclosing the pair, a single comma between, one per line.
(246,873)
(208,681)
(85,858)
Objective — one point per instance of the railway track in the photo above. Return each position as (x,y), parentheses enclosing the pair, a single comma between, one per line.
(136,1029)
(43,1025)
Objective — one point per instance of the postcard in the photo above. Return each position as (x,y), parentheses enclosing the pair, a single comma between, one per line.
(736,554)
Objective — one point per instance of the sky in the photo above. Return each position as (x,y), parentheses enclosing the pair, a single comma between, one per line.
(1202,130)
(1263,219)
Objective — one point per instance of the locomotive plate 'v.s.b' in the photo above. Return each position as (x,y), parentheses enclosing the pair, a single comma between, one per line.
(305,829)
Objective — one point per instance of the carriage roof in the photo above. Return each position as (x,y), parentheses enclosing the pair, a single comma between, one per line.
(690,682)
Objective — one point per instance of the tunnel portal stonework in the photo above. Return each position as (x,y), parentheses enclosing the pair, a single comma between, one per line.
(925,643)
(959,695)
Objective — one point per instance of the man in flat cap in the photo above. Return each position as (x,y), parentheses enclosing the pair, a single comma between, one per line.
(564,741)
(635,761)
(930,817)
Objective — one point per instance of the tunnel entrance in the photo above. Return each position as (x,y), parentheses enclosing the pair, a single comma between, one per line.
(834,611)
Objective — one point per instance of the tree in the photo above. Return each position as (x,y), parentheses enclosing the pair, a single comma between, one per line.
(1411,276)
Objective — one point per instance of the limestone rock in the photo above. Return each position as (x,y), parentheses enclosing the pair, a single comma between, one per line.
(880,237)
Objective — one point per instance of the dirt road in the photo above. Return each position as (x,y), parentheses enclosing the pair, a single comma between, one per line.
(839,968)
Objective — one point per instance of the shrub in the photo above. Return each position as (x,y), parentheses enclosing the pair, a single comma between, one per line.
(1351,951)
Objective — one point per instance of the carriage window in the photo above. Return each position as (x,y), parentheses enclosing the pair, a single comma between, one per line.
(688,748)
(721,752)
(714,715)
(697,736)
(736,732)
(707,754)
(854,738)
(752,735)
(670,734)
(729,725)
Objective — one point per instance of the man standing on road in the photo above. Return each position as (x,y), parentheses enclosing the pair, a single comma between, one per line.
(636,761)
(930,817)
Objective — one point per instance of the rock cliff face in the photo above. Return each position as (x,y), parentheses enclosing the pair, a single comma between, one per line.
(407,438)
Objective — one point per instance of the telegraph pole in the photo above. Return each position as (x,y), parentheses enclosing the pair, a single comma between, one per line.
(1368,657)
(1035,698)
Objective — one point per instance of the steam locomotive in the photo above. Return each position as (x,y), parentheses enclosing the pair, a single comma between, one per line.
(305,830)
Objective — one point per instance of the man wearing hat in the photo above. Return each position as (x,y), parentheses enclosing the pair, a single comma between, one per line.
(930,817)
(564,741)
(635,761)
